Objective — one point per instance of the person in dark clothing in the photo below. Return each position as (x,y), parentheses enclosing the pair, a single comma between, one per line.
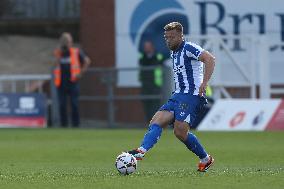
(150,77)
(71,62)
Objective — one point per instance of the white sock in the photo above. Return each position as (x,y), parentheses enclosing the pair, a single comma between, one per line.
(142,149)
(205,160)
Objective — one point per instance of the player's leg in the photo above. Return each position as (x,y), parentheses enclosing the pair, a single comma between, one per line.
(181,131)
(159,121)
(185,113)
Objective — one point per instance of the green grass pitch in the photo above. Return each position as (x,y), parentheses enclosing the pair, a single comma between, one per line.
(57,158)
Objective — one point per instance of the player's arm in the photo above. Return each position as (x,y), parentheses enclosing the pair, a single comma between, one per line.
(209,63)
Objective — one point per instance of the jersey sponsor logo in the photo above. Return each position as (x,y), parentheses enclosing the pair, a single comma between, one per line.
(178,69)
(65,60)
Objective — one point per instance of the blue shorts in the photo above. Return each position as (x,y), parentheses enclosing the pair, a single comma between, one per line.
(185,107)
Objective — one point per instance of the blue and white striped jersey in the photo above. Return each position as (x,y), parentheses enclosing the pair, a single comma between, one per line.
(188,71)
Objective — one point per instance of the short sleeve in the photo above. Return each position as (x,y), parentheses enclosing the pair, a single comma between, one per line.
(193,50)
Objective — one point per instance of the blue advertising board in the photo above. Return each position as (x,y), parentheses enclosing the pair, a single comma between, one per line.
(22,110)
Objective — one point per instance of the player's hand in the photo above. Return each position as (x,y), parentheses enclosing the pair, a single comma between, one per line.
(202,89)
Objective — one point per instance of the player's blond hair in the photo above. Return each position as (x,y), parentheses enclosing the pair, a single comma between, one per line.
(174,26)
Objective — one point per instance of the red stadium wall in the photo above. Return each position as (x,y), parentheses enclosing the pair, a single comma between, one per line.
(97,31)
(97,37)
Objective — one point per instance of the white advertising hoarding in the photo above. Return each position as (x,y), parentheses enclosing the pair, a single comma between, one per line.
(138,20)
(239,115)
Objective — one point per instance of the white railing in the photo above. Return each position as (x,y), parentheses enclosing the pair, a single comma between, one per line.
(23,83)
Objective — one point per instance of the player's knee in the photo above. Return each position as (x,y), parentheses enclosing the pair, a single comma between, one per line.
(162,118)
(180,132)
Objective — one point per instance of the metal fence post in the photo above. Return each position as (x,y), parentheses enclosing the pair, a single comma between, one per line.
(53,103)
(109,81)
(264,69)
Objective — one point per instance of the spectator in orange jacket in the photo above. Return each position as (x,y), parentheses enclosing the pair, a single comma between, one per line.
(71,62)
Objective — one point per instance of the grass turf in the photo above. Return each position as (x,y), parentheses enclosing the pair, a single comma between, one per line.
(55,158)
